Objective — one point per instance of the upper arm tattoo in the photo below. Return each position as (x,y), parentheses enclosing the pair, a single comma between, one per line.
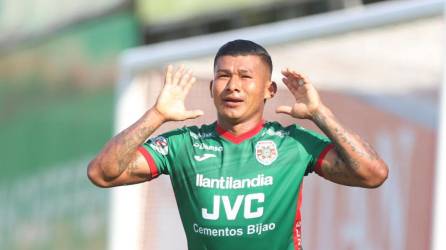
(132,168)
(335,169)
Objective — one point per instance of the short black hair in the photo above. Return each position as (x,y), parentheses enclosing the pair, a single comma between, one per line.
(241,47)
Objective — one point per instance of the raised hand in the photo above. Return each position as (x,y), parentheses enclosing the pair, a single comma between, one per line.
(170,103)
(306,96)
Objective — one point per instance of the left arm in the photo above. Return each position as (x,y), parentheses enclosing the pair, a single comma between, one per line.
(352,161)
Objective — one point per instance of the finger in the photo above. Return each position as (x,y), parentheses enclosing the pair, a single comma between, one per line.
(192,114)
(168,74)
(295,79)
(289,72)
(287,81)
(185,78)
(290,84)
(294,72)
(301,79)
(189,84)
(284,110)
(286,72)
(177,75)
(296,76)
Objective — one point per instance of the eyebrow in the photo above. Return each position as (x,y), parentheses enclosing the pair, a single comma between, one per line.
(223,71)
(244,71)
(229,71)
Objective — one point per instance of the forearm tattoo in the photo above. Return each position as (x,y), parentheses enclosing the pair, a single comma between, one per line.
(350,147)
(127,142)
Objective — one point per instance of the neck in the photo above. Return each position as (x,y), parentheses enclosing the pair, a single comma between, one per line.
(238,128)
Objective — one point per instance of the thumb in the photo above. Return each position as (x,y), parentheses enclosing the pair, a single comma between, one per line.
(284,110)
(192,114)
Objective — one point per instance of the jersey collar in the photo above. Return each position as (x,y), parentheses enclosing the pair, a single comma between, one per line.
(240,138)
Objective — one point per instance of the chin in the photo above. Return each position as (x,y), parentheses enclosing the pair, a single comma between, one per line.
(231,115)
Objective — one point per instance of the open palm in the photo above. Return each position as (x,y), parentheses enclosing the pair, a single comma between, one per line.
(306,96)
(170,103)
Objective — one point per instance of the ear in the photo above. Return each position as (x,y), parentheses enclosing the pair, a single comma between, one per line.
(210,87)
(271,91)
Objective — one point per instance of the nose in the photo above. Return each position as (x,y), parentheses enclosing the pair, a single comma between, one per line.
(233,84)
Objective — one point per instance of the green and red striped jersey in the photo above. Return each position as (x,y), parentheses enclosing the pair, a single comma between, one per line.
(238,192)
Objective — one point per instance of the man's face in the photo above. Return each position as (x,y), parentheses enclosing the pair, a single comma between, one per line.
(240,85)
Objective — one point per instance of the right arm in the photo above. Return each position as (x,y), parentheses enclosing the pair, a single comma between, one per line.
(120,162)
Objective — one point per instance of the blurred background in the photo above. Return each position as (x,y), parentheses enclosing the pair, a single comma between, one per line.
(72,73)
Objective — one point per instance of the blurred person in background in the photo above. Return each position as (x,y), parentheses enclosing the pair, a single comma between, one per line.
(237,181)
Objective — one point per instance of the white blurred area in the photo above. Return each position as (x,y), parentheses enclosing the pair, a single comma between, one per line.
(398,58)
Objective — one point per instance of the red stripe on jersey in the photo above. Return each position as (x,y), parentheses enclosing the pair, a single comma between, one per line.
(237,139)
(318,166)
(297,228)
(152,165)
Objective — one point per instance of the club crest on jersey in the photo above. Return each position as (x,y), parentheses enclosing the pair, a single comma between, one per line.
(266,152)
(159,144)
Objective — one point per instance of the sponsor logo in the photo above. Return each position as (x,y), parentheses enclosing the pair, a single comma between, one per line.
(266,152)
(279,133)
(208,147)
(230,182)
(232,210)
(258,229)
(204,157)
(159,144)
(201,135)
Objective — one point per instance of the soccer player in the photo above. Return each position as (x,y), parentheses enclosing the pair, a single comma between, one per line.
(237,181)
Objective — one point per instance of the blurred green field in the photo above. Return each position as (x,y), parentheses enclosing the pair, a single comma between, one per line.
(39,128)
(56,95)
(56,112)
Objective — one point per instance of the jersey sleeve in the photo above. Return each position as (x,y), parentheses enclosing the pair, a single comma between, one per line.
(158,152)
(314,144)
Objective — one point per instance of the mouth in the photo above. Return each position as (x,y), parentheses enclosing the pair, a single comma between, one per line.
(232,101)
